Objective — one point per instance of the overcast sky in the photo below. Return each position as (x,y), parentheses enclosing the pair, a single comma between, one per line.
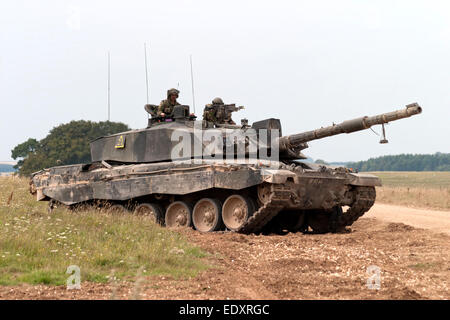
(308,63)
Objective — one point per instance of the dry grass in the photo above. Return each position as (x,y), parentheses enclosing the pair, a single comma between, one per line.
(37,247)
(416,189)
(415,197)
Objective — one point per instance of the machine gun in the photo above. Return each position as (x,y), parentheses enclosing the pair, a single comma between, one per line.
(291,145)
(229,108)
(223,112)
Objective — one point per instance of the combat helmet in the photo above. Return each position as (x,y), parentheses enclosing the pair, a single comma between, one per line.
(172,91)
(217,100)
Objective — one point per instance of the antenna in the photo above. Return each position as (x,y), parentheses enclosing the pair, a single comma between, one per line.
(109,91)
(146,70)
(192,83)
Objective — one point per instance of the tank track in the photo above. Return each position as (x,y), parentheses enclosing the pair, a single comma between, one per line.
(365,198)
(276,203)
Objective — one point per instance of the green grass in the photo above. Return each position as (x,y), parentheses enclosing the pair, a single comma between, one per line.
(37,247)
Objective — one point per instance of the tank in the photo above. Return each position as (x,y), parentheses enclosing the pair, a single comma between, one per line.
(173,173)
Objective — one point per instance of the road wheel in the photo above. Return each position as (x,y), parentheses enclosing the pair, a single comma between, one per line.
(117,209)
(264,192)
(152,211)
(207,215)
(322,221)
(236,210)
(178,214)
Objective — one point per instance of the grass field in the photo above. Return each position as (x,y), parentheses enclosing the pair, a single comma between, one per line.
(37,247)
(417,189)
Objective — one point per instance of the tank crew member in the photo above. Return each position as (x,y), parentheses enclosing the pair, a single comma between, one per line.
(165,108)
(211,112)
(219,113)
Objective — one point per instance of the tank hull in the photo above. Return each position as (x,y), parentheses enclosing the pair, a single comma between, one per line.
(271,187)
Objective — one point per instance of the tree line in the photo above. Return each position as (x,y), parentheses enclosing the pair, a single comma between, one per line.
(405,162)
(65,144)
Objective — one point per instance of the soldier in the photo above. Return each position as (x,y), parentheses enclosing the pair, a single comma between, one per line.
(165,108)
(219,113)
(211,112)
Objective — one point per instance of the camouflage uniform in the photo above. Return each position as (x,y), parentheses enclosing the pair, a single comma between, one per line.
(214,113)
(209,113)
(166,106)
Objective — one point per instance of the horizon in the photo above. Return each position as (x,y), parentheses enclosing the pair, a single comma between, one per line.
(314,159)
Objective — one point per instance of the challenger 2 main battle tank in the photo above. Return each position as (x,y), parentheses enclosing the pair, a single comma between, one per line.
(210,176)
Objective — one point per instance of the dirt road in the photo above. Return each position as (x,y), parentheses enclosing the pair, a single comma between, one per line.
(438,221)
(414,263)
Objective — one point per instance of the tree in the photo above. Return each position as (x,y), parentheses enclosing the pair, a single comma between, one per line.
(405,162)
(23,150)
(65,144)
(320,161)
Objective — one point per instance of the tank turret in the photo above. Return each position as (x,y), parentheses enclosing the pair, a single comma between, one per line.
(156,143)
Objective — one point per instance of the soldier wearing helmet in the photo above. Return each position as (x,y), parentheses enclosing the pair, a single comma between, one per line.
(212,113)
(219,113)
(165,108)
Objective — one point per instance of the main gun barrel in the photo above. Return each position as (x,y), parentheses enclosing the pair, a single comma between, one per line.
(296,141)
